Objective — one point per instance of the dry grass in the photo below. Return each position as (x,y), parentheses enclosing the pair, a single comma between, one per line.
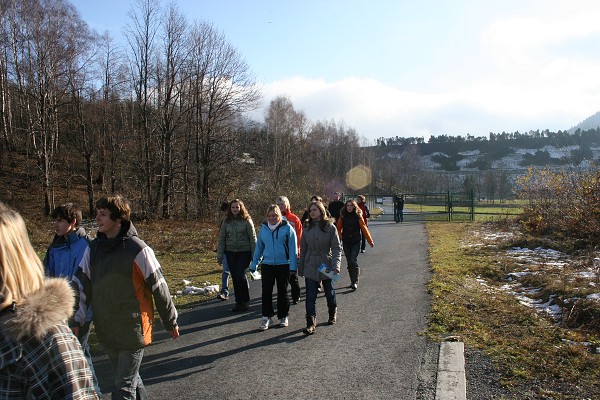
(532,351)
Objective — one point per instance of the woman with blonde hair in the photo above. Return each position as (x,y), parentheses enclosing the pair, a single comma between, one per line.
(40,357)
(277,252)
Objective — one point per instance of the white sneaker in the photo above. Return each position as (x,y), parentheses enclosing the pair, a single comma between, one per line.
(283,322)
(265,323)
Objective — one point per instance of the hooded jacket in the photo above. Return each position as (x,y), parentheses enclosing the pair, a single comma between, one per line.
(64,254)
(40,358)
(120,278)
(319,247)
(277,247)
(63,257)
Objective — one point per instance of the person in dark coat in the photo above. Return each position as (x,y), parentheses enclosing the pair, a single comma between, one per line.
(351,227)
(121,278)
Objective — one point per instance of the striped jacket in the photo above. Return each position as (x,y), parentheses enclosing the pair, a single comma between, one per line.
(40,358)
(121,278)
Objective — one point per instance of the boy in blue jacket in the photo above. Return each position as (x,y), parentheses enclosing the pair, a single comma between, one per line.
(277,249)
(63,257)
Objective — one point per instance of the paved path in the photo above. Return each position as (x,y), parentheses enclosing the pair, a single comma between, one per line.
(375,350)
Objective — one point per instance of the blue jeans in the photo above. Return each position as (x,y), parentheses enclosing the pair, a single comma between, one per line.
(84,337)
(127,380)
(311,295)
(225,278)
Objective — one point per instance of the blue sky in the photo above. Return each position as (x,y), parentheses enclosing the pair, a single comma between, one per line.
(404,68)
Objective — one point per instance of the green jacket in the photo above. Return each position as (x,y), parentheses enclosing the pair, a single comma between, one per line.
(236,235)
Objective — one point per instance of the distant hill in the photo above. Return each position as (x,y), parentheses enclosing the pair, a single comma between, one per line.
(592,122)
(514,152)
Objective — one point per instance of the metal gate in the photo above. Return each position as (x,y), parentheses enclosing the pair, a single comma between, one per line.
(406,207)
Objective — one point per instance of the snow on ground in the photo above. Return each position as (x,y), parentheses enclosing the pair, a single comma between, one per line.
(534,261)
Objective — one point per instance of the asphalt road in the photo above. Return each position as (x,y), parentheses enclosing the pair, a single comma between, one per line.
(375,351)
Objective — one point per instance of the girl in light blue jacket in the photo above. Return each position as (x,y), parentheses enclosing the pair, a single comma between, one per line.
(277,250)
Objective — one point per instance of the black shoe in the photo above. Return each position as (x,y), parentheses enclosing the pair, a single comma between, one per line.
(240,307)
(294,301)
(362,251)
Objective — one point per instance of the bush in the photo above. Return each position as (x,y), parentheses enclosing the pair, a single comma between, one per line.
(562,204)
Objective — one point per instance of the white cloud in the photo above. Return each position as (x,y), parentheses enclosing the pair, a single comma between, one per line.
(530,72)
(377,110)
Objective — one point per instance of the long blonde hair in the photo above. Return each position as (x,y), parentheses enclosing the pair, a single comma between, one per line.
(21,271)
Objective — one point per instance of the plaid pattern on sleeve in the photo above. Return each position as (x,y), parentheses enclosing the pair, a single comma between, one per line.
(53,368)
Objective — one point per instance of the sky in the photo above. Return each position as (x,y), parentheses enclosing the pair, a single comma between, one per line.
(404,68)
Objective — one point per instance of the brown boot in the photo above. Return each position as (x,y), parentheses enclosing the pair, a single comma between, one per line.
(311,322)
(332,316)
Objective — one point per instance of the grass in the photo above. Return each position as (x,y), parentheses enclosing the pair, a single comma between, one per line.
(532,352)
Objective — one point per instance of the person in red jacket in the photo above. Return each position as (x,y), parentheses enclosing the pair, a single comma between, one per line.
(284,205)
(360,200)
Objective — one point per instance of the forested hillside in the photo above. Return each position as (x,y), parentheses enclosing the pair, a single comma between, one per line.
(161,121)
(164,122)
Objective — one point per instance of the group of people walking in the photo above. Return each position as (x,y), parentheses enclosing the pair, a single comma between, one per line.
(288,247)
(113,281)
(47,309)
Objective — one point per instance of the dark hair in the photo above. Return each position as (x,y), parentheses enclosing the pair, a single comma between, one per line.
(224,206)
(317,198)
(324,220)
(69,212)
(117,205)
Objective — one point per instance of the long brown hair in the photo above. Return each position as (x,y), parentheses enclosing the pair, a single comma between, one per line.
(356,211)
(324,220)
(243,212)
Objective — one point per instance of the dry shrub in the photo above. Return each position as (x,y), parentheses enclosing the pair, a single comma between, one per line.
(561,204)
(584,314)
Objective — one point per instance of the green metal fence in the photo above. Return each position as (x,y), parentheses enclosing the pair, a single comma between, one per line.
(406,207)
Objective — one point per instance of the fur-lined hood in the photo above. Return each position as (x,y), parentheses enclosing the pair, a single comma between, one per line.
(52,304)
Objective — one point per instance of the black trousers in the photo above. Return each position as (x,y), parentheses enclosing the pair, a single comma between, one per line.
(238,262)
(295,285)
(272,274)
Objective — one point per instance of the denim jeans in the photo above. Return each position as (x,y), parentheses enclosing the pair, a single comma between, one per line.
(239,262)
(225,278)
(311,295)
(127,380)
(84,336)
(270,275)
(351,251)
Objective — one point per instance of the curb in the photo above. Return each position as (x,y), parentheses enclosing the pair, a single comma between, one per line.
(451,381)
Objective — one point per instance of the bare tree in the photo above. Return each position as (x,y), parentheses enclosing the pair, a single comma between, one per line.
(223,88)
(141,37)
(284,128)
(171,76)
(48,41)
